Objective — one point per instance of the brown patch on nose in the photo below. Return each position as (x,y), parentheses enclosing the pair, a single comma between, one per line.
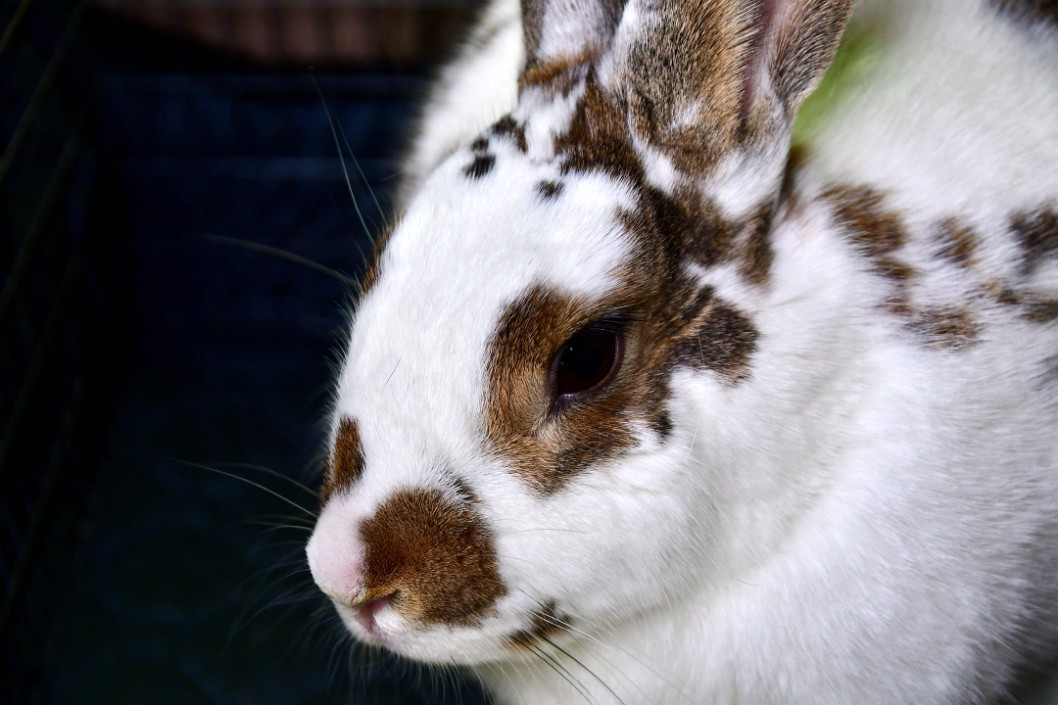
(545,624)
(433,557)
(347,460)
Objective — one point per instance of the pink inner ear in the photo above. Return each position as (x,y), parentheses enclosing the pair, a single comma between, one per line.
(767,15)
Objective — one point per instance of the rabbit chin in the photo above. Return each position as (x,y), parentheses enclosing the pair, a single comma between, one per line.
(483,643)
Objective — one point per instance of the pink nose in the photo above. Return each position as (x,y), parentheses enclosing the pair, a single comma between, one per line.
(336,560)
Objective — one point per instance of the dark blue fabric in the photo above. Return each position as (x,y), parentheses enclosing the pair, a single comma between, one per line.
(190,584)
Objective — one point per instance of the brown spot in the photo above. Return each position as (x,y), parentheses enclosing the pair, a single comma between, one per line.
(347,460)
(945,328)
(956,241)
(463,491)
(598,139)
(692,225)
(549,190)
(481,166)
(433,558)
(1037,234)
(1001,293)
(544,625)
(558,76)
(795,162)
(873,230)
(756,257)
(508,127)
(723,342)
(1029,10)
(374,266)
(1041,310)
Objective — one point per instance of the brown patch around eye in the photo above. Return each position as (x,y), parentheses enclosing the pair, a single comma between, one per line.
(546,623)
(956,241)
(432,557)
(347,460)
(545,452)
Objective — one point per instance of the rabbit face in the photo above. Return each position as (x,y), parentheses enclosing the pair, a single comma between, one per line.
(514,440)
(509,449)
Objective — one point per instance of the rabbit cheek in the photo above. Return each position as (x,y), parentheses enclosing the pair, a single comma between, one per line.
(433,558)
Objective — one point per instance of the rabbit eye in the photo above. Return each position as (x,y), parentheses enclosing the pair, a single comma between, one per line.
(587,363)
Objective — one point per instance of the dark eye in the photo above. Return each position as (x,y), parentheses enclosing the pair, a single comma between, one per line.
(587,362)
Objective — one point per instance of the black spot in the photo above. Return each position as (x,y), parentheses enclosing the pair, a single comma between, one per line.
(506,126)
(463,491)
(481,166)
(549,190)
(480,146)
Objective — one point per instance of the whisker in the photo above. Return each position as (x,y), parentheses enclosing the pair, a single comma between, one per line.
(282,254)
(602,629)
(341,155)
(555,665)
(247,481)
(574,659)
(274,473)
(356,163)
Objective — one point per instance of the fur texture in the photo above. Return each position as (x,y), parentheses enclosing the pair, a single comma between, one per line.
(825,466)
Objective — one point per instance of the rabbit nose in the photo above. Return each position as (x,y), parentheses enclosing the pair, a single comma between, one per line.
(336,561)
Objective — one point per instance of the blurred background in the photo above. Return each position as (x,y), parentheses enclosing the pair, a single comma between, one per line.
(176,234)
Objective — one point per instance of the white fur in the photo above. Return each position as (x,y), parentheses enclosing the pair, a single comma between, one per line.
(863,521)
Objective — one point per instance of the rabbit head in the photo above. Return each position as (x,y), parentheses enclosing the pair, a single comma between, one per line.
(518,432)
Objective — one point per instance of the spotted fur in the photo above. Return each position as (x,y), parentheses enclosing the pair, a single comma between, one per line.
(825,468)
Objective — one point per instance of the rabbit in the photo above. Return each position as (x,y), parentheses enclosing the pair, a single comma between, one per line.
(646,400)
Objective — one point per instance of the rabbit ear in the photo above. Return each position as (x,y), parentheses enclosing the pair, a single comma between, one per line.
(713,82)
(566,33)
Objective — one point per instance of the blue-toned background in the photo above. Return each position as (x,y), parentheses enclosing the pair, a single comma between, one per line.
(145,333)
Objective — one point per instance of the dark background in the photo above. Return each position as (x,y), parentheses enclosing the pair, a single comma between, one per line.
(151,152)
